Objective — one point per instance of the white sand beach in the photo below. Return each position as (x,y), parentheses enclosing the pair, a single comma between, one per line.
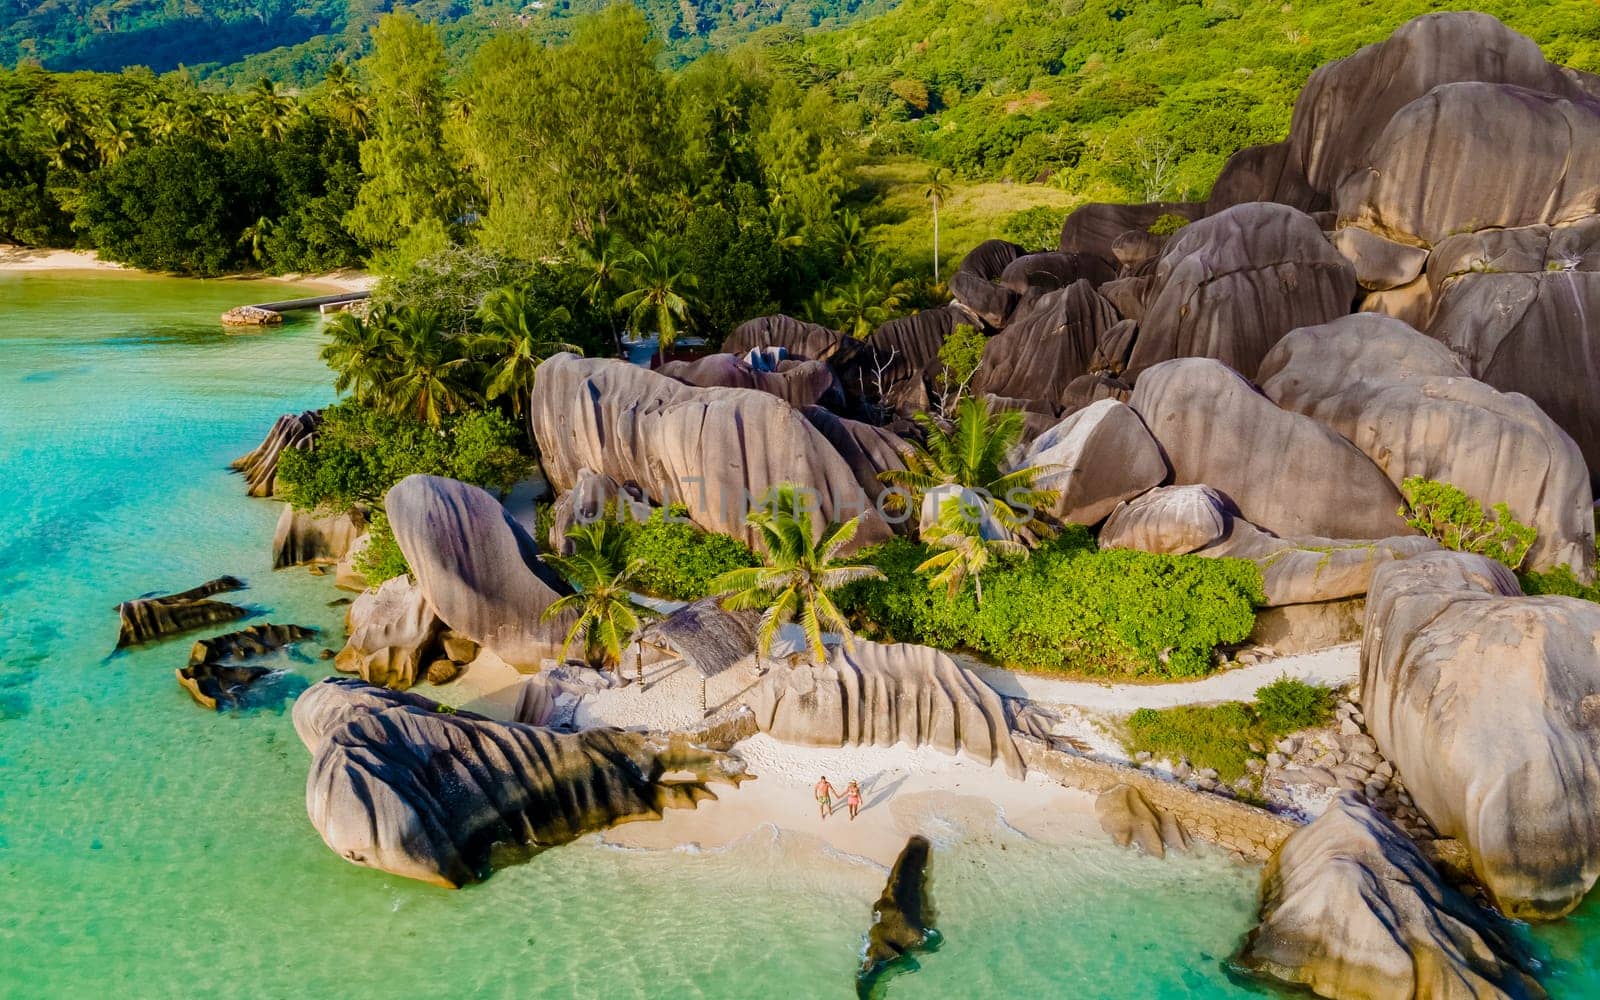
(15,258)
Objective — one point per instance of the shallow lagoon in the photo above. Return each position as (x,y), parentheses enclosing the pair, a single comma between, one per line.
(150,849)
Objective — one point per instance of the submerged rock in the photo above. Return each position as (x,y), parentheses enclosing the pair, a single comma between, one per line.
(404,785)
(883,695)
(902,918)
(1129,818)
(260,466)
(215,683)
(1350,908)
(147,618)
(302,538)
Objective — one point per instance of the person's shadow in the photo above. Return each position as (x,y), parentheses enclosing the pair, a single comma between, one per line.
(872,795)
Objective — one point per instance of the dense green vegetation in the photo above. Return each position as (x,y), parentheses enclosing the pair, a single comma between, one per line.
(605,615)
(1228,736)
(1448,516)
(680,561)
(1067,607)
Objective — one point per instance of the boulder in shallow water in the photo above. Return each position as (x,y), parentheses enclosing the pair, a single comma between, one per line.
(302,538)
(404,785)
(1351,908)
(886,694)
(147,618)
(216,676)
(902,918)
(1129,818)
(1488,704)
(260,466)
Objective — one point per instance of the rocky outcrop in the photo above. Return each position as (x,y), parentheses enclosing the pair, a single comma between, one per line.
(1312,570)
(1230,286)
(902,918)
(251,316)
(1129,818)
(1351,908)
(394,635)
(216,678)
(147,618)
(260,465)
(714,450)
(1264,173)
(400,784)
(1096,458)
(1092,229)
(868,449)
(477,567)
(1486,701)
(1405,401)
(1172,519)
(1037,357)
(800,383)
(883,695)
(799,338)
(1037,273)
(592,498)
(1284,472)
(302,538)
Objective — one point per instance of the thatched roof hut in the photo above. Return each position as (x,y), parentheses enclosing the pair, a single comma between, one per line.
(704,635)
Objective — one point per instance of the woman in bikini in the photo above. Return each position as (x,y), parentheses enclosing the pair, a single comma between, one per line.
(852,798)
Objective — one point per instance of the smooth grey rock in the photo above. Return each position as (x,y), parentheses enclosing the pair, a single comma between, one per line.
(1097,457)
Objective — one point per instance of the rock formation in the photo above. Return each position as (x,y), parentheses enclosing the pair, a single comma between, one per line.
(1129,818)
(147,618)
(1229,286)
(883,695)
(799,338)
(394,635)
(869,450)
(401,784)
(1351,908)
(1284,472)
(215,676)
(1092,229)
(1409,406)
(1035,358)
(1172,519)
(1486,701)
(592,498)
(477,567)
(301,538)
(260,465)
(798,383)
(1097,457)
(902,918)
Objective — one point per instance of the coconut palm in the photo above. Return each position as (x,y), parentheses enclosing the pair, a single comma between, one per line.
(964,553)
(972,452)
(797,573)
(518,334)
(657,298)
(847,240)
(936,190)
(342,96)
(112,138)
(255,236)
(601,261)
(606,613)
(363,353)
(274,112)
(432,367)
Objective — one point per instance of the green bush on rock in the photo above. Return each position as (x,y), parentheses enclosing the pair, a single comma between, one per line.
(1448,516)
(1220,736)
(381,558)
(680,560)
(1068,608)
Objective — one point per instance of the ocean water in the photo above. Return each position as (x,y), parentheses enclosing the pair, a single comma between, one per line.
(151,849)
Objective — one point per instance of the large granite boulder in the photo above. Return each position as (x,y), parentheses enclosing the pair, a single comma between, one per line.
(803,383)
(1096,458)
(394,635)
(146,618)
(477,567)
(714,450)
(1351,908)
(217,675)
(1173,520)
(1406,402)
(902,918)
(1423,178)
(1264,173)
(1229,286)
(883,695)
(899,363)
(1037,357)
(1284,472)
(1344,107)
(302,537)
(799,338)
(1306,570)
(868,449)
(1515,306)
(1488,703)
(592,498)
(1129,818)
(990,301)
(260,465)
(1037,273)
(400,784)
(1092,229)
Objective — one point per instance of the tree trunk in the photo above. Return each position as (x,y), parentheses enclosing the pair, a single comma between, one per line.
(935,241)
(977,583)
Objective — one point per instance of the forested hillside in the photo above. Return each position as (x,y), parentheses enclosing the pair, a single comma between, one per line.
(295,41)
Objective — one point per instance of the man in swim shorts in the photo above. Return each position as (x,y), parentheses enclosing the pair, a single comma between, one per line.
(825,793)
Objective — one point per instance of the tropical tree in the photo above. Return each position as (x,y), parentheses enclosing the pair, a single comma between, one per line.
(798,571)
(345,102)
(936,190)
(657,298)
(432,370)
(964,553)
(274,112)
(606,615)
(600,259)
(972,452)
(518,334)
(362,353)
(847,240)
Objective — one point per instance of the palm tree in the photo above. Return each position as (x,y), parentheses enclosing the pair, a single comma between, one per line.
(859,308)
(797,573)
(964,553)
(936,191)
(607,616)
(972,453)
(431,367)
(112,138)
(256,235)
(519,335)
(344,100)
(600,259)
(273,110)
(656,300)
(363,352)
(847,240)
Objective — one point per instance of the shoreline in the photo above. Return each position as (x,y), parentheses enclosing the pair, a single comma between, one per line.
(46,260)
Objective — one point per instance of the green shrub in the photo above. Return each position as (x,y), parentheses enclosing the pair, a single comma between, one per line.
(1558,582)
(1036,228)
(680,560)
(360,453)
(1166,225)
(381,559)
(1448,516)
(1288,704)
(1068,608)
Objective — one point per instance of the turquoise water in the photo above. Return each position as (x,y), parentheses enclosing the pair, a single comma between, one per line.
(151,849)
